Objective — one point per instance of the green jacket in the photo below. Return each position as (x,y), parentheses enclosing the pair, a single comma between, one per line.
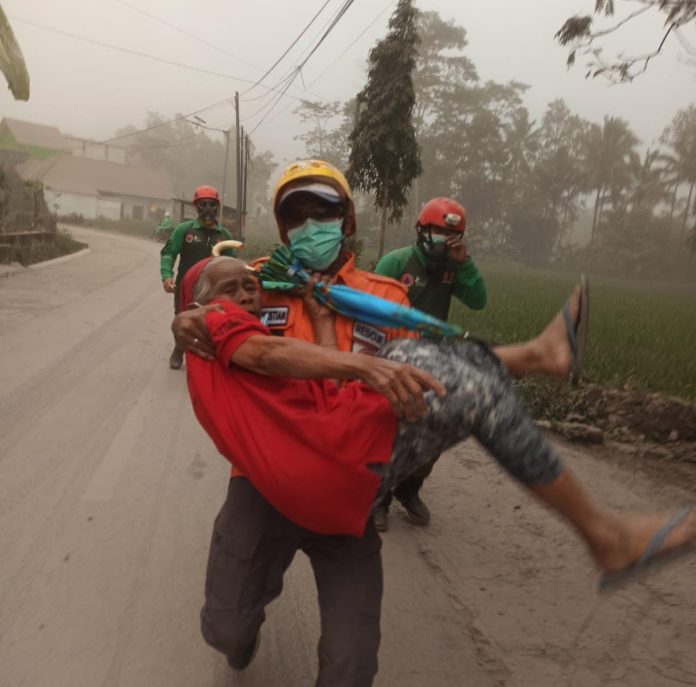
(191,242)
(464,281)
(166,223)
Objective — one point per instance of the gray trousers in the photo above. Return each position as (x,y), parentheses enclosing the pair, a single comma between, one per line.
(252,547)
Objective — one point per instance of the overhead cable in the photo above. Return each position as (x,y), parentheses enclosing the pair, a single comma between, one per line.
(288,49)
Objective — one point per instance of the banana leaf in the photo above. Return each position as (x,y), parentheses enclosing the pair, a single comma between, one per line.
(12,63)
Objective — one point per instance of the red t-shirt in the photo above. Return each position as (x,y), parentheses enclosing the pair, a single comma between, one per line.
(304,444)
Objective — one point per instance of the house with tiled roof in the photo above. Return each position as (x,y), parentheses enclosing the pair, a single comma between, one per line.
(21,140)
(100,188)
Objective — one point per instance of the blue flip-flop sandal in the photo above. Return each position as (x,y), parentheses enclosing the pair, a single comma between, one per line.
(651,557)
(577,330)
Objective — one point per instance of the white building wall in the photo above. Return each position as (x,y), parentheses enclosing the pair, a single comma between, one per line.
(98,151)
(109,208)
(71,203)
(105,206)
(148,209)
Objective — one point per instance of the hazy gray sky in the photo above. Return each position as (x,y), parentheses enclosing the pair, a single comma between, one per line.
(90,91)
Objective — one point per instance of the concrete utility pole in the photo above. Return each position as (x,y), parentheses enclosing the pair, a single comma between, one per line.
(245,174)
(239,164)
(224,175)
(226,133)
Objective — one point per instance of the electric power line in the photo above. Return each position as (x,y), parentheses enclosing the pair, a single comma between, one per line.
(169,121)
(128,51)
(266,104)
(341,12)
(136,53)
(344,8)
(187,33)
(193,36)
(68,34)
(357,38)
(261,121)
(292,45)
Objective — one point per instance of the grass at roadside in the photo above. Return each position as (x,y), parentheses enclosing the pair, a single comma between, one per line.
(642,334)
(38,250)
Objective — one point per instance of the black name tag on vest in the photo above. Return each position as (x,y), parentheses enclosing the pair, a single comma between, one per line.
(275,317)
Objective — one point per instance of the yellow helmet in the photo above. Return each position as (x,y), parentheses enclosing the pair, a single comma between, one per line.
(315,170)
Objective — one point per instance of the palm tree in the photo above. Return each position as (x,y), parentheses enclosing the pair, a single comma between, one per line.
(647,182)
(680,136)
(607,155)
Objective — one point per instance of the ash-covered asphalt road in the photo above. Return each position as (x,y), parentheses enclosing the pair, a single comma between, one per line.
(108,490)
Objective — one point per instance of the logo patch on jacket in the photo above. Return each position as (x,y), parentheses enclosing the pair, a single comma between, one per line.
(275,317)
(188,238)
(367,337)
(407,280)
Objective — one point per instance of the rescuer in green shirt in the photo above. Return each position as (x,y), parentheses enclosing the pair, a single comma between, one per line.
(433,270)
(192,241)
(164,228)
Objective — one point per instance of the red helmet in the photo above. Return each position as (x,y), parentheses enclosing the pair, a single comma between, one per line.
(206,192)
(444,213)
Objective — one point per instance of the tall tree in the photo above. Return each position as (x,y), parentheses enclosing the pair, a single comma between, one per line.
(440,66)
(327,140)
(559,170)
(608,151)
(384,155)
(319,115)
(680,136)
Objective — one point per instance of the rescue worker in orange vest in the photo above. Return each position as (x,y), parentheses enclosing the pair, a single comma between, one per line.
(314,211)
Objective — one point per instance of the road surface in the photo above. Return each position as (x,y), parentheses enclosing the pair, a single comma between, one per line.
(108,490)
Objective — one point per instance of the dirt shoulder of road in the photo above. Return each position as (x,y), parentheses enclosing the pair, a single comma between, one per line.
(653,430)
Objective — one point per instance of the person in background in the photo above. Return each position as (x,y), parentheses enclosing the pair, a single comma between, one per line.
(164,229)
(191,241)
(433,269)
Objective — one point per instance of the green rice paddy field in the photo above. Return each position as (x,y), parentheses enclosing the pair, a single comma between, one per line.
(642,334)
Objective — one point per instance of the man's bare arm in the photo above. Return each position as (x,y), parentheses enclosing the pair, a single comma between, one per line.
(403,385)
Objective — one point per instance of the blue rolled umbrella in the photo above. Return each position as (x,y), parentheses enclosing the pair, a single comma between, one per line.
(283,271)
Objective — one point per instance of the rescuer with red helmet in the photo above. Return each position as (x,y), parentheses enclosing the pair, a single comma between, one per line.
(433,270)
(192,241)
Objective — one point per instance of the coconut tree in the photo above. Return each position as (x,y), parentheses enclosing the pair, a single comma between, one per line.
(680,162)
(608,151)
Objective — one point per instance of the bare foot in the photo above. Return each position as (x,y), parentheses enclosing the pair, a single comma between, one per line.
(621,539)
(554,353)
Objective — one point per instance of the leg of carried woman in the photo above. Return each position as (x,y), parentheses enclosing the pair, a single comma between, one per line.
(482,402)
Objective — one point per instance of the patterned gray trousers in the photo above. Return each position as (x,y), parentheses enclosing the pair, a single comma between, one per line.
(480,402)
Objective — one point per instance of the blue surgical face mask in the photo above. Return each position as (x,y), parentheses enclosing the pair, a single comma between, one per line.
(317,244)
